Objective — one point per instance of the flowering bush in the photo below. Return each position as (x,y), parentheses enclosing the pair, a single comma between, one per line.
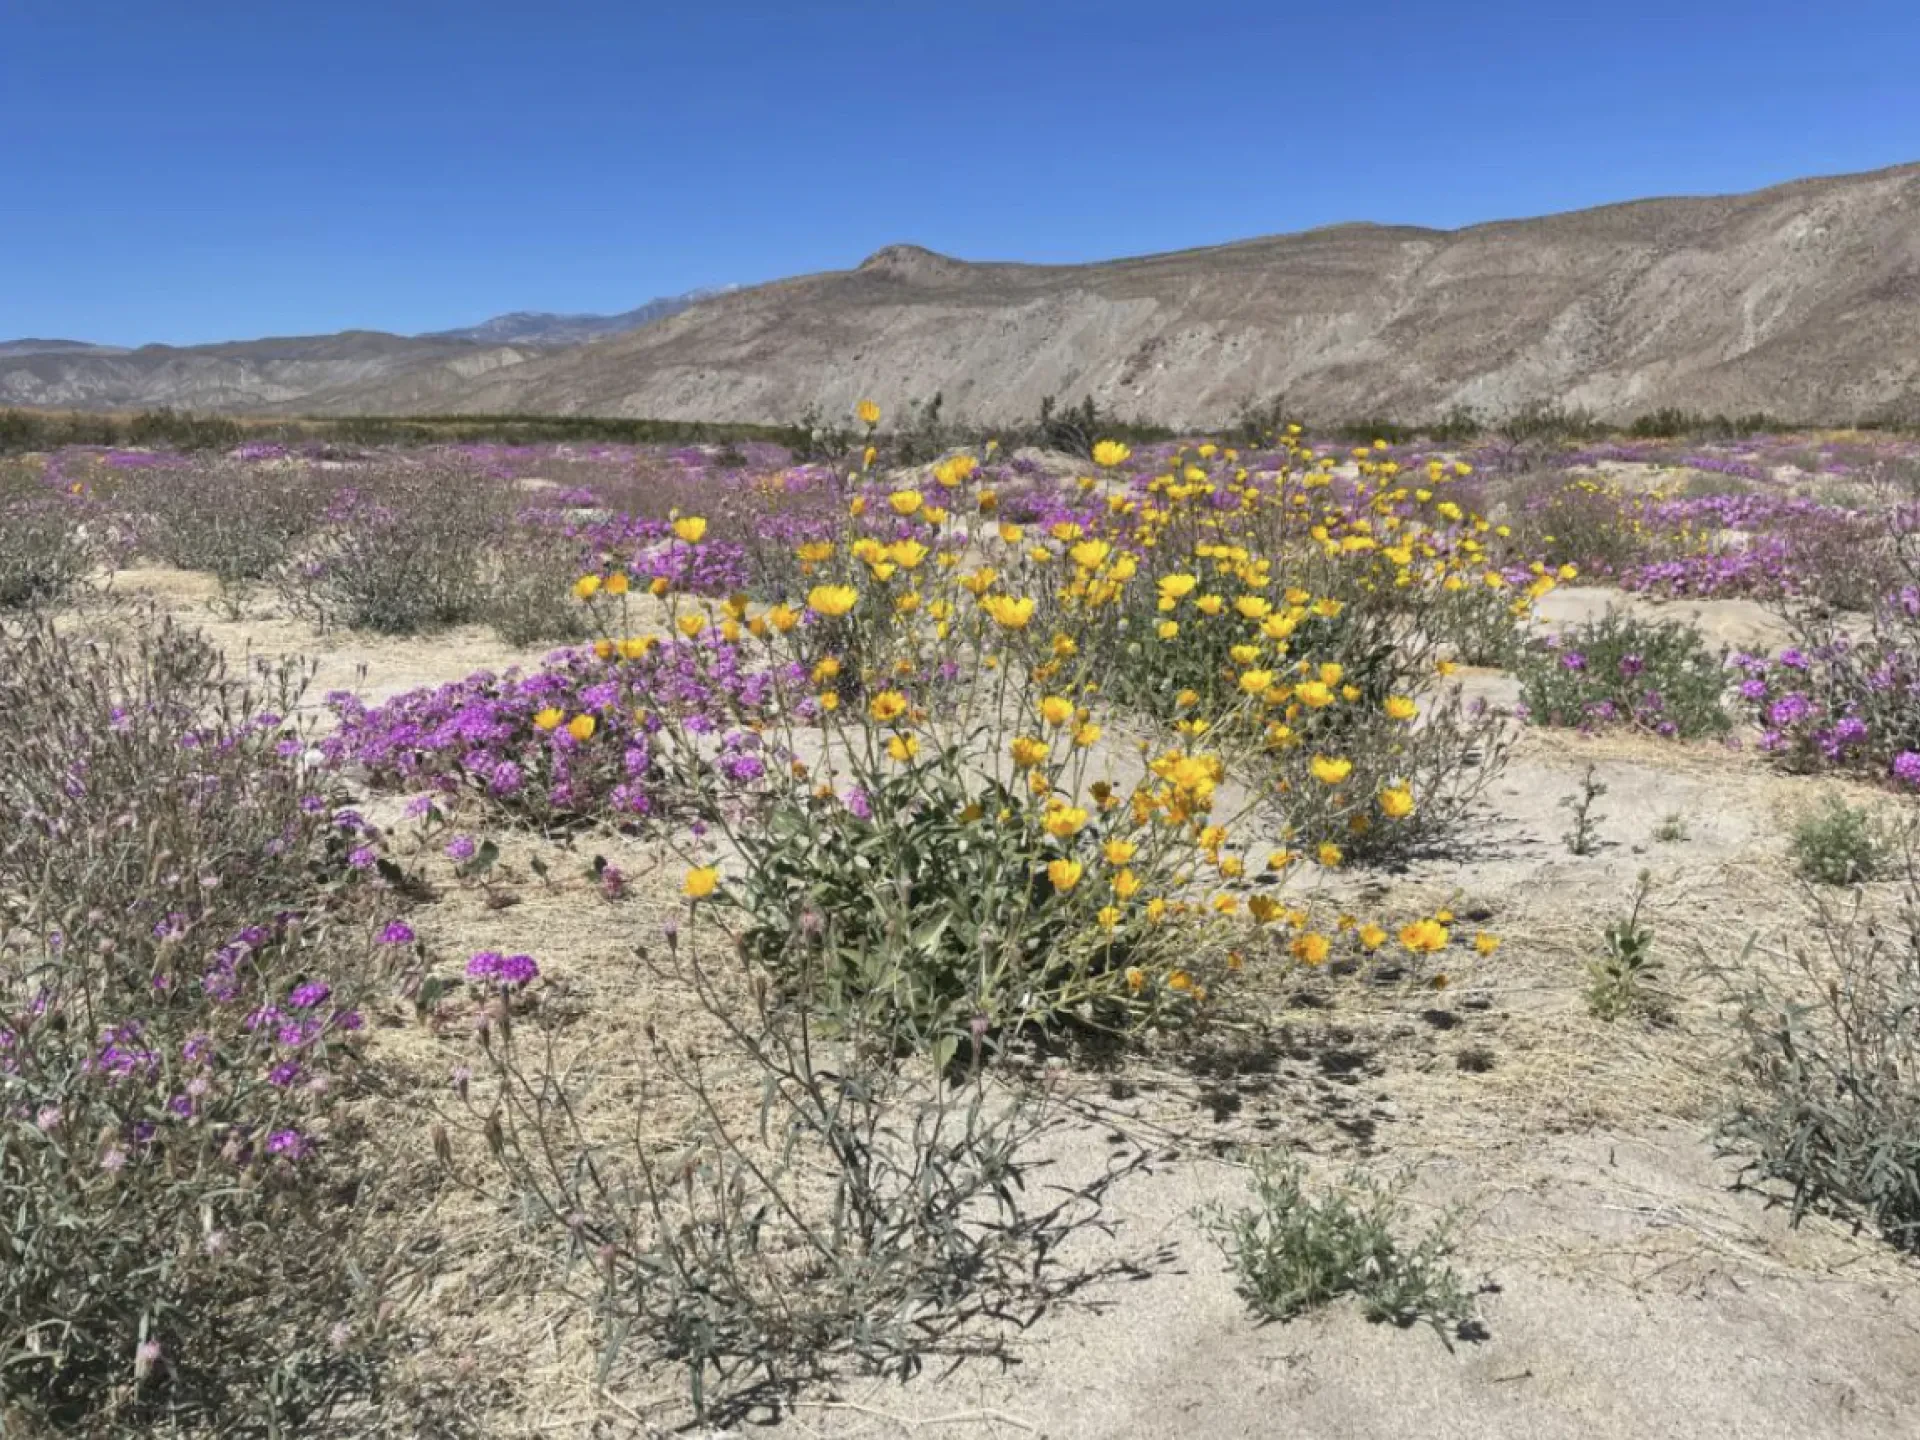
(1835,702)
(574,741)
(185,916)
(1657,676)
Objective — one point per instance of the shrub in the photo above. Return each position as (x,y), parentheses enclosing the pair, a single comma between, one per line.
(1840,844)
(932,892)
(1292,1252)
(871,1216)
(529,589)
(1830,1054)
(1618,670)
(1585,523)
(401,555)
(187,935)
(241,521)
(46,543)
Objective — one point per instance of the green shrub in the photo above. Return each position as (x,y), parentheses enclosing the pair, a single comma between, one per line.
(1841,844)
(927,898)
(1292,1252)
(1657,676)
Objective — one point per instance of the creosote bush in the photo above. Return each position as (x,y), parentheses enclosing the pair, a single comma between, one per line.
(239,520)
(45,545)
(184,946)
(405,554)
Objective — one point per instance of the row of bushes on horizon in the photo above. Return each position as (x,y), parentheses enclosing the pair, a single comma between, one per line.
(921,429)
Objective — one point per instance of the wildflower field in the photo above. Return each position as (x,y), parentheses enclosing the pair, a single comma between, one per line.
(597,939)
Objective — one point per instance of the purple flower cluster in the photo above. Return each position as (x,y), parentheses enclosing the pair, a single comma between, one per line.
(509,972)
(1843,703)
(482,734)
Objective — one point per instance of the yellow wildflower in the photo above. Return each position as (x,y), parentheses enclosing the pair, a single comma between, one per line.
(832,600)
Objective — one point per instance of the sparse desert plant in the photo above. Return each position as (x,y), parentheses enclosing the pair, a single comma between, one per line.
(1830,1060)
(1841,844)
(1654,675)
(529,588)
(1672,829)
(1583,835)
(861,1214)
(1292,1251)
(1624,977)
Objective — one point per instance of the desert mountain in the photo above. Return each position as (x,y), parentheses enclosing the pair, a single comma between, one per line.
(539,327)
(1802,300)
(300,373)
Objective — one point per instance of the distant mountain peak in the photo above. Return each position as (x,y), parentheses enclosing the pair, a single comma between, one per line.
(545,328)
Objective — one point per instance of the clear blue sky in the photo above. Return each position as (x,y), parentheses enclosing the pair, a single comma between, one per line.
(189,170)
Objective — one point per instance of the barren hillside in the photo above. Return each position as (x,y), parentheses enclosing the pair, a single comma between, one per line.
(1802,300)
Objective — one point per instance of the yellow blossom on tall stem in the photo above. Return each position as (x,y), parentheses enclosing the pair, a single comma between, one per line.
(832,601)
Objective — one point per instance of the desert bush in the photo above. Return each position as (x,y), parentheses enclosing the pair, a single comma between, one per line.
(939,893)
(1655,675)
(860,1214)
(1477,625)
(46,544)
(1829,1108)
(1585,523)
(403,554)
(240,521)
(1292,1252)
(185,927)
(528,587)
(1841,844)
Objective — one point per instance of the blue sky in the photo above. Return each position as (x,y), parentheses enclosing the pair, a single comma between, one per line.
(191,170)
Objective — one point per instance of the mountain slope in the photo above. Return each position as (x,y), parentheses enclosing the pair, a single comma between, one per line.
(539,327)
(1803,300)
(279,374)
